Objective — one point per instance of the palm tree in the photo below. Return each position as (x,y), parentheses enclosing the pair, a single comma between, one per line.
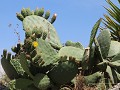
(112,20)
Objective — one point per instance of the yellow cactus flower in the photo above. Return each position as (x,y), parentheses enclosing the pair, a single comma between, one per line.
(35,44)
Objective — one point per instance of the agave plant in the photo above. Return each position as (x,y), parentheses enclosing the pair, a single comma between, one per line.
(112,20)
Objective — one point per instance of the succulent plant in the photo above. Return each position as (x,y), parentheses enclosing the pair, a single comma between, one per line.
(41,23)
(64,71)
(7,65)
(103,54)
(41,61)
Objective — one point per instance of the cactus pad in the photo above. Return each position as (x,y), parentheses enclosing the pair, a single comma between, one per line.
(63,72)
(42,81)
(77,53)
(114,48)
(104,40)
(45,53)
(30,22)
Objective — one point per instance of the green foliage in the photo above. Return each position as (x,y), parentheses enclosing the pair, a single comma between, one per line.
(42,81)
(7,66)
(69,51)
(104,41)
(63,72)
(37,60)
(43,63)
(41,23)
(77,44)
(94,31)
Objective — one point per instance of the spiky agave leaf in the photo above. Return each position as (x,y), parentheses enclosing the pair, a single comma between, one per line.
(112,21)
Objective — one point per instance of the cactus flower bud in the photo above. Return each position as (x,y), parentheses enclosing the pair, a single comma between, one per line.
(35,44)
(4,53)
(9,56)
(20,16)
(47,14)
(41,12)
(53,18)
(23,12)
(36,11)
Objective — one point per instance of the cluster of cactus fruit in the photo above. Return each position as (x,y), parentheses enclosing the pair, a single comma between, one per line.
(43,63)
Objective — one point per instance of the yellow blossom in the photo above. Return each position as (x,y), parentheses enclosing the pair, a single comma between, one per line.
(35,44)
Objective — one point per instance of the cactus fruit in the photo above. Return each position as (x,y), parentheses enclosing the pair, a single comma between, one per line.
(23,12)
(41,12)
(47,14)
(20,16)
(53,18)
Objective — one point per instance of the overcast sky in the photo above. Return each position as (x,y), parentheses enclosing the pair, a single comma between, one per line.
(74,22)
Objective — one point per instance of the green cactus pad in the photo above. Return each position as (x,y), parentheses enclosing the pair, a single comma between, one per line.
(17,66)
(22,83)
(9,69)
(104,40)
(42,81)
(7,66)
(92,79)
(63,72)
(117,57)
(77,44)
(24,64)
(94,32)
(114,48)
(30,22)
(70,51)
(110,73)
(46,52)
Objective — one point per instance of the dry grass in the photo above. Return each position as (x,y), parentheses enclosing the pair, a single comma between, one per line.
(80,84)
(4,80)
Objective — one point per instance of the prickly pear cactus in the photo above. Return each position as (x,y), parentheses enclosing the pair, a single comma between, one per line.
(104,40)
(7,66)
(63,72)
(114,49)
(35,19)
(103,58)
(77,53)
(41,63)
(45,54)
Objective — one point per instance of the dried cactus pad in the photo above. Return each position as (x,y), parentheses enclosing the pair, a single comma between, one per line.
(30,22)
